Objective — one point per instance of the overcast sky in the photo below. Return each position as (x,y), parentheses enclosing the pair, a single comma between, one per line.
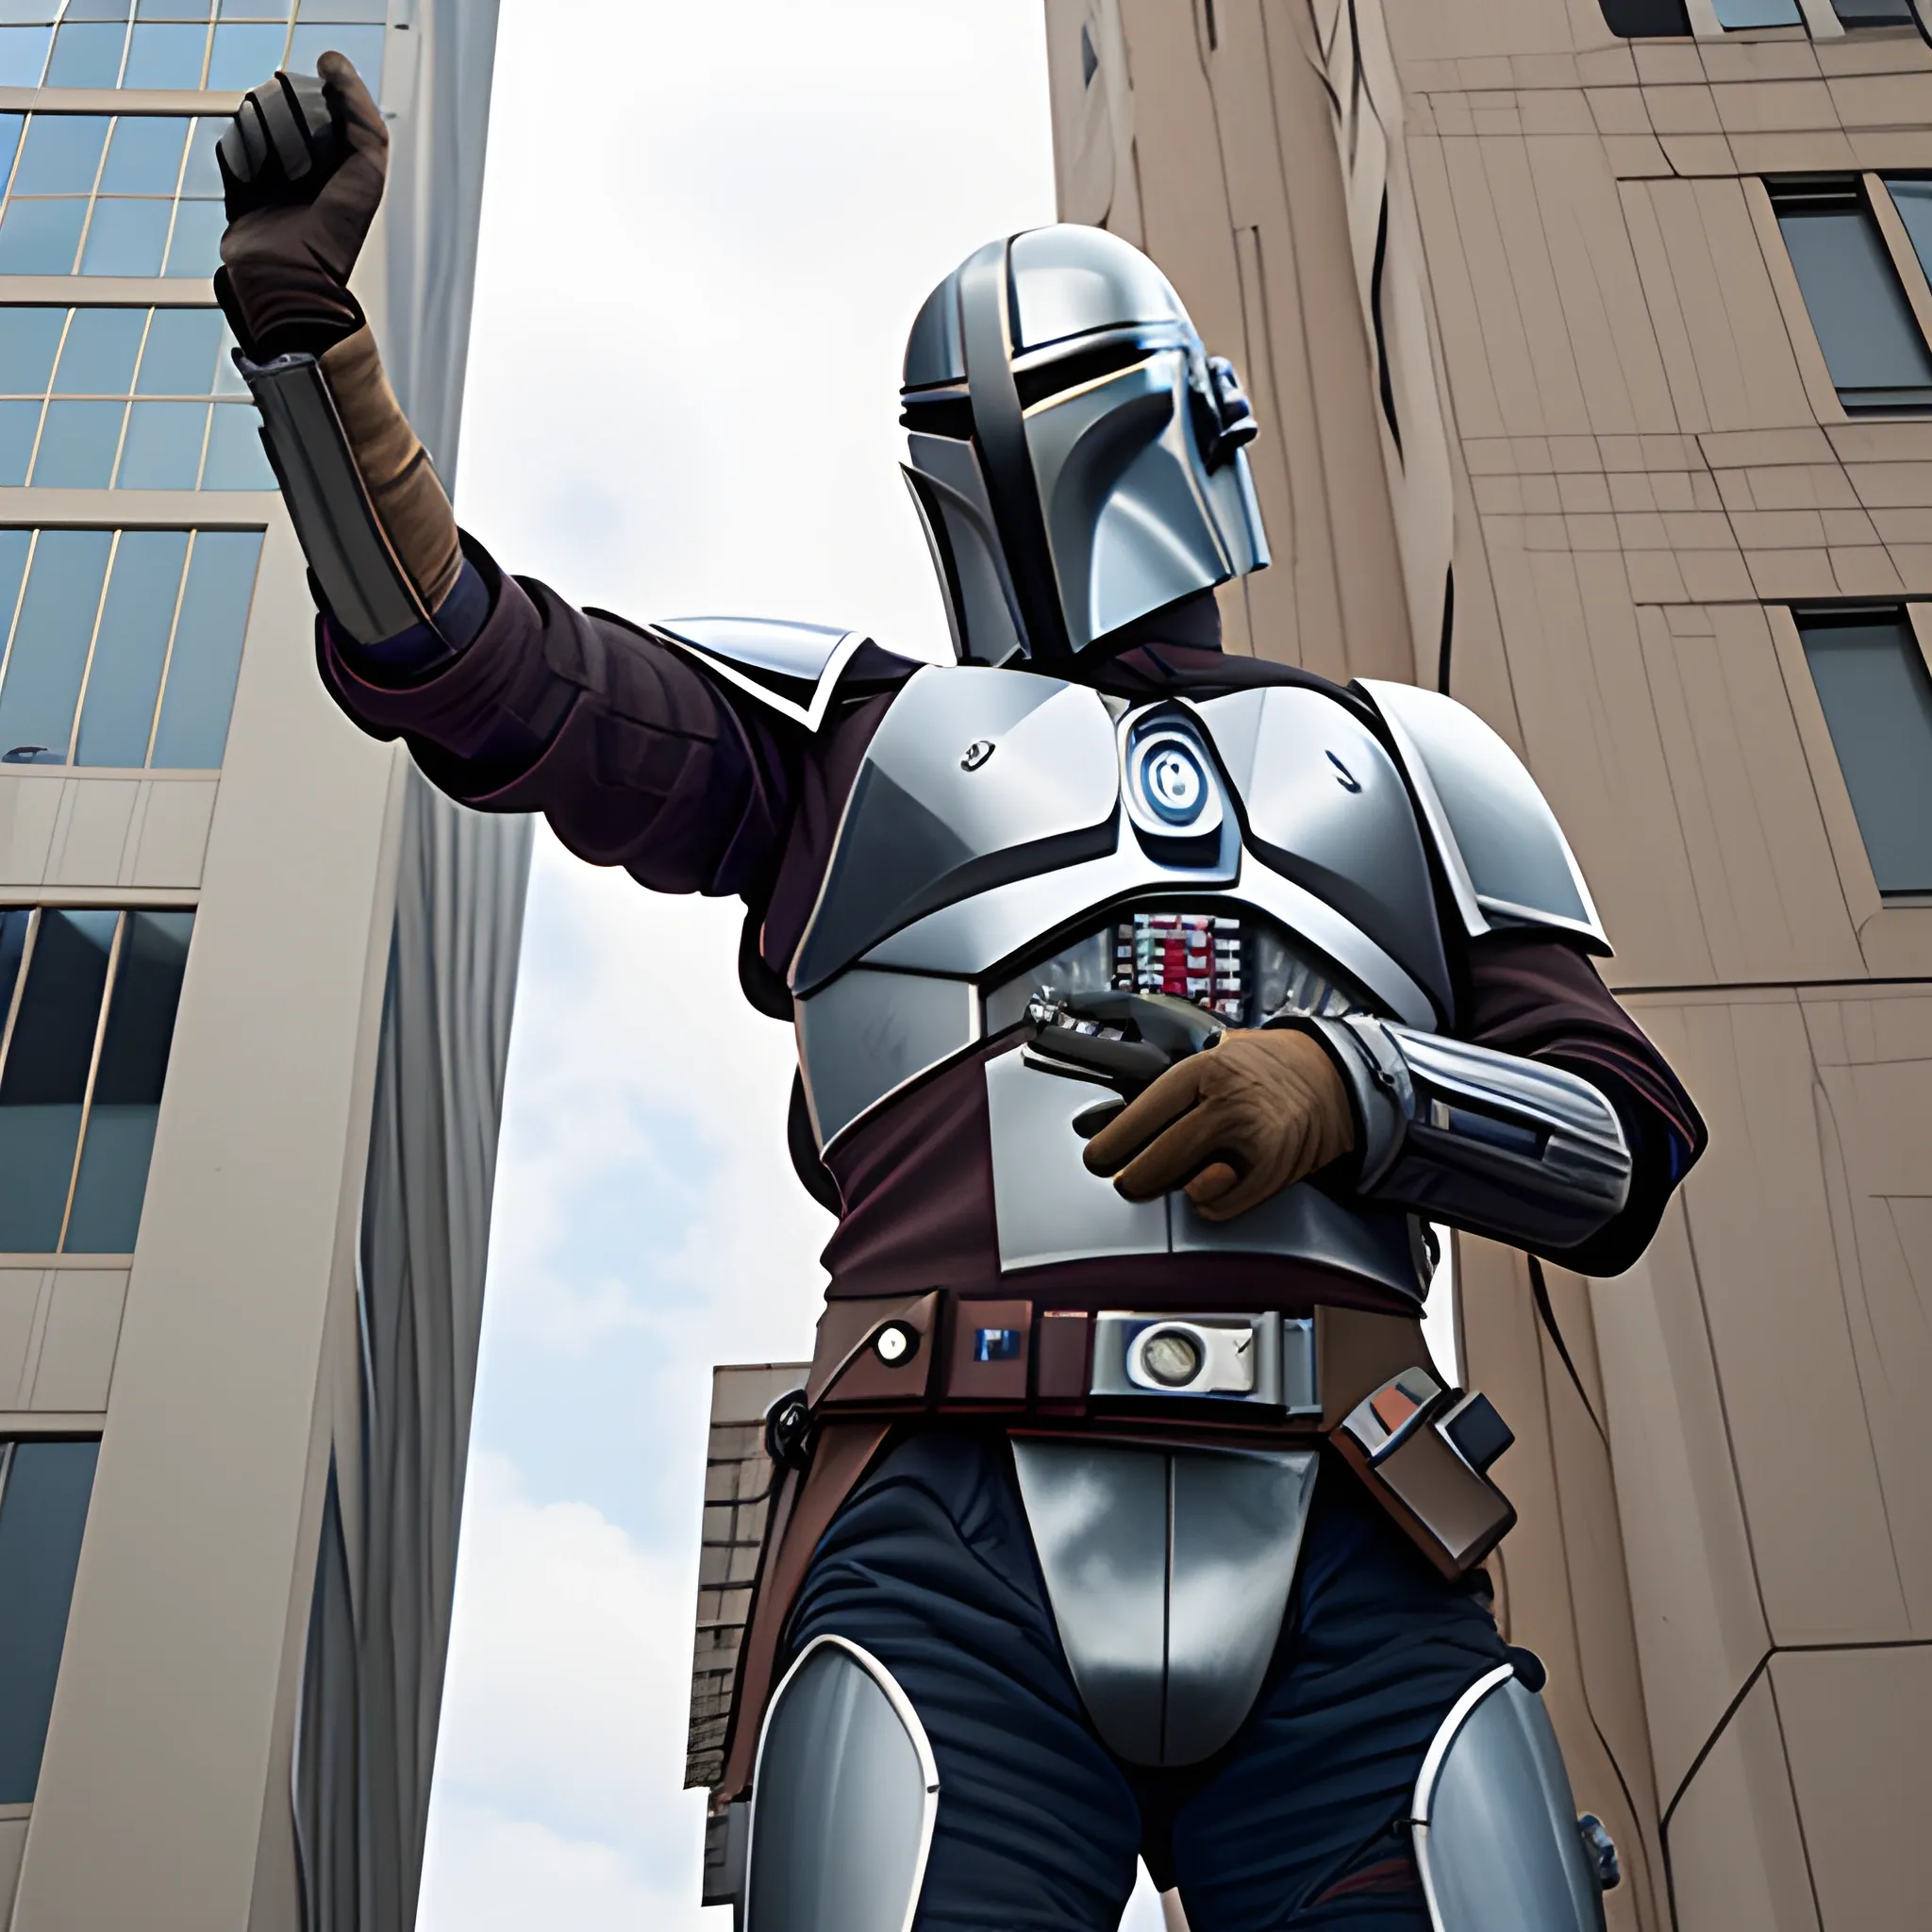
(706,231)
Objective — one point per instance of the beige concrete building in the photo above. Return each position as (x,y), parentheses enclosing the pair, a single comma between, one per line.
(1591,341)
(255,985)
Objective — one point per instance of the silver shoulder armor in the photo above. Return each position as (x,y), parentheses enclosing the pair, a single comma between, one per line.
(791,668)
(1505,857)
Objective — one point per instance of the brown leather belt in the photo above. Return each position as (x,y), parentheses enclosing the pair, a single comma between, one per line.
(1352,1376)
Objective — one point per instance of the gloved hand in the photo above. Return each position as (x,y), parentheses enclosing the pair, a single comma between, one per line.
(303,166)
(1235,1123)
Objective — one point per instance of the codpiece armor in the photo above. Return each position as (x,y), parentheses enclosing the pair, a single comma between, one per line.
(1080,1471)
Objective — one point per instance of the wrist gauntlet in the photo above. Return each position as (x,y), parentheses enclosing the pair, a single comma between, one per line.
(1499,1145)
(367,505)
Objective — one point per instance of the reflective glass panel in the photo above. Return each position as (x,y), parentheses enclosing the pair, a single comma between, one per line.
(173,10)
(50,641)
(28,340)
(194,727)
(1741,13)
(197,246)
(40,237)
(1913,200)
(201,179)
(43,1083)
(1872,345)
(236,459)
(162,447)
(62,154)
(127,1099)
(22,54)
(131,649)
(182,350)
(165,56)
(1877,700)
(78,442)
(98,357)
(126,238)
(42,1518)
(19,423)
(86,54)
(244,57)
(360,45)
(375,10)
(145,156)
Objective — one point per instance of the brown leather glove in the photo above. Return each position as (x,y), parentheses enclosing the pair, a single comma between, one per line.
(303,166)
(1235,1123)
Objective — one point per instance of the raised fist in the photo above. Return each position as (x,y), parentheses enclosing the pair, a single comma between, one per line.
(303,165)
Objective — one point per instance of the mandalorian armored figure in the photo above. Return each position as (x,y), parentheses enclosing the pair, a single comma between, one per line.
(1152,1006)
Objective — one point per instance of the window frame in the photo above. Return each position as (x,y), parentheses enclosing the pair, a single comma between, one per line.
(1799,327)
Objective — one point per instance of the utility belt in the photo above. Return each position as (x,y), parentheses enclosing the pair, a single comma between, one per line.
(1355,1378)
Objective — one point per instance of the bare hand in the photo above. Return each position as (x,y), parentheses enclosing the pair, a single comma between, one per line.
(1236,1124)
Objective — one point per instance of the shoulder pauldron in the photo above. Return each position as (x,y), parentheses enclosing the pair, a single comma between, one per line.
(1503,853)
(793,669)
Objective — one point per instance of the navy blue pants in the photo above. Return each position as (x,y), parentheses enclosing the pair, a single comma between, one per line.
(1296,1823)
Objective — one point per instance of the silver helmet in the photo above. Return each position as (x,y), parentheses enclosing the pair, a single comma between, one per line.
(1076,453)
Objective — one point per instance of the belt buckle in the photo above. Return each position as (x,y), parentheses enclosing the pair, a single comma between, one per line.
(1262,1361)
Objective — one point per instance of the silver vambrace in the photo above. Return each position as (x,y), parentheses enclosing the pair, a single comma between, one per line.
(364,580)
(1489,1142)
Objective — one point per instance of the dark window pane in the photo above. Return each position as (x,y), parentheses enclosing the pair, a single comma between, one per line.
(39,238)
(164,446)
(1878,701)
(165,57)
(1741,13)
(362,45)
(1873,12)
(207,650)
(97,358)
(42,1515)
(196,249)
(28,338)
(244,57)
(1872,345)
(180,356)
(127,1089)
(126,238)
(236,459)
(1646,19)
(61,155)
(1913,200)
(50,641)
(131,649)
(201,179)
(145,156)
(13,925)
(19,423)
(77,445)
(86,56)
(44,1080)
(22,54)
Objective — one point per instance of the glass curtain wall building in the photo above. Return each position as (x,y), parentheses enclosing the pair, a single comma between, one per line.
(255,985)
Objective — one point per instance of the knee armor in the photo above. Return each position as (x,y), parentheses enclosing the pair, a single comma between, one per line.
(1496,1834)
(842,1801)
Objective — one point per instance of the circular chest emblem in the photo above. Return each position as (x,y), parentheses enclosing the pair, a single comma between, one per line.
(1173,784)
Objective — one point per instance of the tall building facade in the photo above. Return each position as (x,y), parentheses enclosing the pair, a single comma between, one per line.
(255,990)
(1591,340)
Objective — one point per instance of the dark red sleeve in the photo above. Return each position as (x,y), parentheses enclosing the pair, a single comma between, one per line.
(1538,994)
(634,755)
